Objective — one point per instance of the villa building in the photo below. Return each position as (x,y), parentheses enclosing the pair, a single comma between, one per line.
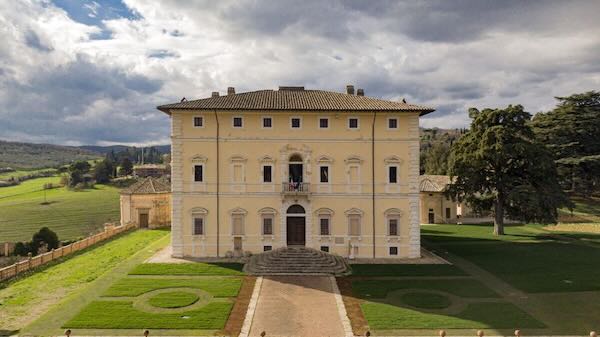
(436,207)
(256,171)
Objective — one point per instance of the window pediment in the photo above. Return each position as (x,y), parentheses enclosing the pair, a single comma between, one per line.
(353,160)
(199,159)
(267,210)
(199,211)
(266,159)
(238,211)
(393,212)
(354,211)
(324,160)
(324,211)
(238,159)
(393,160)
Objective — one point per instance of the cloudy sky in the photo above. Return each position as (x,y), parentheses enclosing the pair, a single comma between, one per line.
(92,72)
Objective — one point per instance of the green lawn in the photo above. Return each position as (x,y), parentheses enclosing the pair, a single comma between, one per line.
(216,286)
(188,269)
(468,288)
(72,214)
(173,299)
(122,315)
(406,270)
(209,311)
(382,316)
(426,300)
(532,262)
(28,298)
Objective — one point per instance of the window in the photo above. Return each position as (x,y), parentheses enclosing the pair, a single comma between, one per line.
(267,226)
(392,123)
(267,122)
(323,123)
(295,122)
(267,248)
(238,122)
(267,175)
(324,222)
(447,212)
(198,122)
(393,174)
(325,249)
(324,170)
(354,222)
(393,250)
(393,227)
(353,123)
(198,226)
(238,225)
(199,173)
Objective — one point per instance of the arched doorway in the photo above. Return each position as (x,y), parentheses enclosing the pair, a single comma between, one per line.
(296,226)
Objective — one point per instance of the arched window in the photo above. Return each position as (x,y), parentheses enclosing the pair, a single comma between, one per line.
(296,209)
(295,158)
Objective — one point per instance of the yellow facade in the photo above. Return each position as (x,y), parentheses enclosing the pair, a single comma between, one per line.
(359,201)
(437,208)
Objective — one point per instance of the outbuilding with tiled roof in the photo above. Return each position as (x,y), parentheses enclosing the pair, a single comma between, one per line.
(147,203)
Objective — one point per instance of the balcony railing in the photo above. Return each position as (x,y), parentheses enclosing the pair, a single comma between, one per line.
(295,188)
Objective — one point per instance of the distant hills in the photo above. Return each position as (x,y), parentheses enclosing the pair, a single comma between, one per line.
(120,148)
(33,156)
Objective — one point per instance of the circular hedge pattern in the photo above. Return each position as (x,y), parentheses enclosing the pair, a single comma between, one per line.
(426,300)
(174,299)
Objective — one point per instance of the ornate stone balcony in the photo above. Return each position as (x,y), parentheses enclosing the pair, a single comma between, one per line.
(295,188)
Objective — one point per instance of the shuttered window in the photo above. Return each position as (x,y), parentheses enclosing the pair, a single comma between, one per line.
(393,227)
(268,226)
(354,221)
(238,225)
(198,226)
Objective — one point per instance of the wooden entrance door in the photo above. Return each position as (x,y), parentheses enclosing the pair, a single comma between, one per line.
(296,231)
(431,216)
(143,220)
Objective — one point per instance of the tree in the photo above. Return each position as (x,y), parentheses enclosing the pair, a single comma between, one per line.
(77,170)
(103,171)
(499,165)
(126,167)
(44,235)
(570,132)
(436,158)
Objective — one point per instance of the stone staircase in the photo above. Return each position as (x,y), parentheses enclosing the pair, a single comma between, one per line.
(296,261)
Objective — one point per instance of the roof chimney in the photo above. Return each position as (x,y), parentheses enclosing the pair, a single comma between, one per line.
(230,91)
(350,89)
(215,94)
(360,92)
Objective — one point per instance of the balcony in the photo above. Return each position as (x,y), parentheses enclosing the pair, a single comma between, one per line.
(295,188)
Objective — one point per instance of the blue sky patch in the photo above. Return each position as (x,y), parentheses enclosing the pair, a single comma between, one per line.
(92,13)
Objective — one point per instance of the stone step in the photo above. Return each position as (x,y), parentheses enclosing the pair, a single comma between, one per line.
(296,260)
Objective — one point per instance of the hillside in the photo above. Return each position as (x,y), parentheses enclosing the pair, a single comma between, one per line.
(163,149)
(32,156)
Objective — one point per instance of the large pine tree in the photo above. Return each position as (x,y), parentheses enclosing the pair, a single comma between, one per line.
(572,133)
(498,165)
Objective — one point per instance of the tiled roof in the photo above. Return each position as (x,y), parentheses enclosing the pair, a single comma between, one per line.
(297,99)
(433,183)
(149,185)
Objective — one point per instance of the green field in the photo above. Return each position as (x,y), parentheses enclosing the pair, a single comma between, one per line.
(216,286)
(21,173)
(200,302)
(23,300)
(25,208)
(188,269)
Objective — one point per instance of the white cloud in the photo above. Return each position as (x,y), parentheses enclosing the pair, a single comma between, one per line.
(452,55)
